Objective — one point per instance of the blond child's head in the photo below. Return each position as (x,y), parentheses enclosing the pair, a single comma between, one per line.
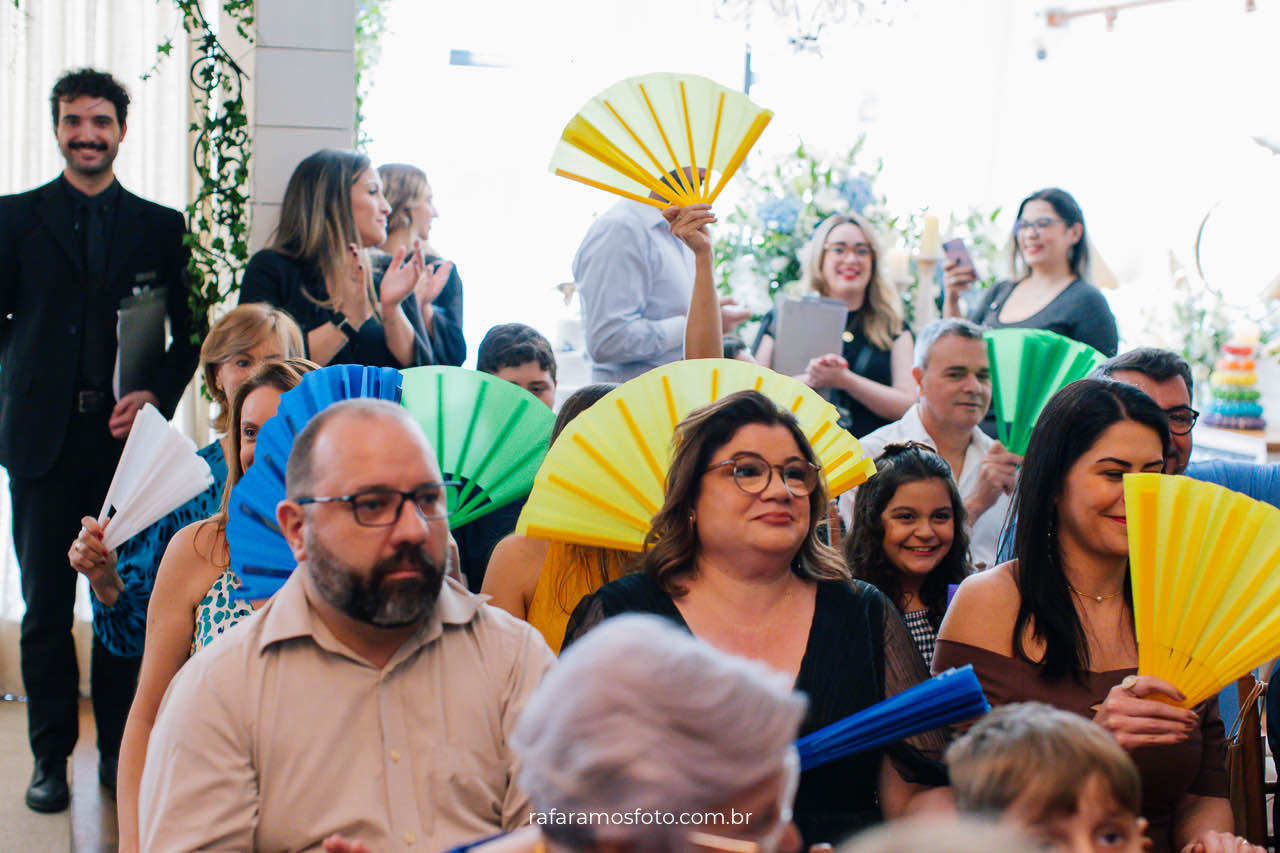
(1052,772)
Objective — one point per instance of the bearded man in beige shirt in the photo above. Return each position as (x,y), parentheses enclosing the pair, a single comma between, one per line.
(370,697)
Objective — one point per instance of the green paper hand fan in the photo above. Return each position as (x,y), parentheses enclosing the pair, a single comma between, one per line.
(1205,567)
(1028,366)
(660,133)
(487,432)
(604,478)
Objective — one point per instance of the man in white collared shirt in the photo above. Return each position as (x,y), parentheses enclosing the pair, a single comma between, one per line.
(954,378)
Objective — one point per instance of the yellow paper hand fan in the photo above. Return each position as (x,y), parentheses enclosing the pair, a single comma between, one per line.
(1205,568)
(604,478)
(660,133)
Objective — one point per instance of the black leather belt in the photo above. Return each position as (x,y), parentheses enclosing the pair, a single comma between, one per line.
(91,402)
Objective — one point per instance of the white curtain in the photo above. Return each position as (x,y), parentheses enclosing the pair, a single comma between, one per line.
(39,40)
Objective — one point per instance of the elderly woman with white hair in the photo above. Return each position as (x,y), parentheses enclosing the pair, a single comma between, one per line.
(643,738)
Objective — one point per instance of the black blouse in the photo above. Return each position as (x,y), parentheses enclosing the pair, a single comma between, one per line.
(1079,312)
(859,652)
(865,359)
(297,287)
(446,341)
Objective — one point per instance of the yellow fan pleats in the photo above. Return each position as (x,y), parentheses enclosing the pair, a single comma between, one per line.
(663,134)
(1205,566)
(604,478)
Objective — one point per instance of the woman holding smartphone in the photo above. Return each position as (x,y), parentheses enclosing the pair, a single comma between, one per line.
(1050,288)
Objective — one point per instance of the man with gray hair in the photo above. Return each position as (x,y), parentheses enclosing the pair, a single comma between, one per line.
(954,378)
(370,697)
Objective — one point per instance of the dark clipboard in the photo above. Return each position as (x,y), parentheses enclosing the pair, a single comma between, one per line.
(140,336)
(806,329)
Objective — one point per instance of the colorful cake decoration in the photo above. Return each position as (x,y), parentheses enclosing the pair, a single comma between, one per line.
(1234,385)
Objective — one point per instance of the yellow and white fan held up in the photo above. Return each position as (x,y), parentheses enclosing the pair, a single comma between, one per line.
(604,478)
(1205,568)
(664,134)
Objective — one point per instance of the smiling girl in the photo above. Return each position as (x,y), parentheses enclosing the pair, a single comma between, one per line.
(907,537)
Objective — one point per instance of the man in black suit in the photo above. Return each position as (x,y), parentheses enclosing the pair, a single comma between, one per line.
(69,252)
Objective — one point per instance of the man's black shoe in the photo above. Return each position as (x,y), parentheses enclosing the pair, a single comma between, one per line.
(108,769)
(48,790)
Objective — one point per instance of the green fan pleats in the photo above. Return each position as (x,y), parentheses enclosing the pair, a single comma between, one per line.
(1028,366)
(487,433)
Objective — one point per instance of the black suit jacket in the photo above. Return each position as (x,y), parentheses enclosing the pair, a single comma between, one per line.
(43,293)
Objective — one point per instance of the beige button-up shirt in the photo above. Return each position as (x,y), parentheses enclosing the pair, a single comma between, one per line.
(278,735)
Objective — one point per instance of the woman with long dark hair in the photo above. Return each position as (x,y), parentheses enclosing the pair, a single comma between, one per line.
(734,556)
(1050,287)
(1056,624)
(908,539)
(317,267)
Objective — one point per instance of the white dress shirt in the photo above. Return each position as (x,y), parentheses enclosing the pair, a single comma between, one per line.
(984,531)
(635,279)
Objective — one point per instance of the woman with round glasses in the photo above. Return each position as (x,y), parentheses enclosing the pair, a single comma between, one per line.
(870,378)
(735,558)
(1049,289)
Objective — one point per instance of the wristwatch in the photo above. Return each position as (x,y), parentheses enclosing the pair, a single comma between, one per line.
(339,321)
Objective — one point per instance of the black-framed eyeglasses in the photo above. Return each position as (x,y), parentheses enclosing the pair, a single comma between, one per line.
(1181,419)
(839,250)
(1036,225)
(381,507)
(753,474)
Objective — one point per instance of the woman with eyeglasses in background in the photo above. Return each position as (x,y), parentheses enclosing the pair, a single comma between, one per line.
(1049,289)
(734,557)
(870,378)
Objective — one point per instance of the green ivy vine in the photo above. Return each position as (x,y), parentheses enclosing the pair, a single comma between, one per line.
(218,214)
(371,25)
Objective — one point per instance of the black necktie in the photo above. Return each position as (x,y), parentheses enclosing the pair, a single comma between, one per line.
(97,350)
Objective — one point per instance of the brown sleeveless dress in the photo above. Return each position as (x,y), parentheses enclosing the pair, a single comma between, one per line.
(1195,766)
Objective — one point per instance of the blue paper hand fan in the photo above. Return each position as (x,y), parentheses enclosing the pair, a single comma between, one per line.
(953,696)
(260,557)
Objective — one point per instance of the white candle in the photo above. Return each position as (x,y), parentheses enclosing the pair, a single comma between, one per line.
(898,265)
(930,241)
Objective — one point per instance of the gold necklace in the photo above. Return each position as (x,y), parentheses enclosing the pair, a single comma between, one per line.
(1097,598)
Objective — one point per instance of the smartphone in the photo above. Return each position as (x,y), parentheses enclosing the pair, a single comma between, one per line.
(955,250)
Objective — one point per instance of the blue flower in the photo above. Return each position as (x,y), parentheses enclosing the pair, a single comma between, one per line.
(780,214)
(856,190)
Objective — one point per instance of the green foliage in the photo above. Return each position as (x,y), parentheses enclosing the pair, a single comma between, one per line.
(371,25)
(218,215)
(761,243)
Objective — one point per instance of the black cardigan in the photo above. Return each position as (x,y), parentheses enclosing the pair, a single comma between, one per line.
(297,287)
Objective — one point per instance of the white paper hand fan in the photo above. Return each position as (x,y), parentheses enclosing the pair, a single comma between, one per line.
(260,556)
(604,478)
(1205,568)
(487,433)
(668,134)
(159,471)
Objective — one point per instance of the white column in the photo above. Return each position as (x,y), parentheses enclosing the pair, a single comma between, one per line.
(300,93)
